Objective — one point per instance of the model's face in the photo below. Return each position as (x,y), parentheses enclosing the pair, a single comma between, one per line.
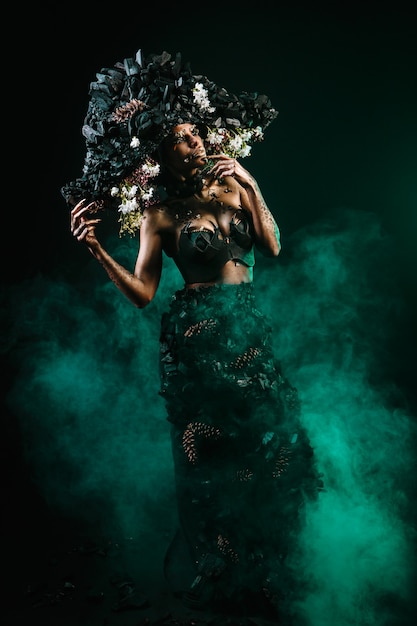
(184,149)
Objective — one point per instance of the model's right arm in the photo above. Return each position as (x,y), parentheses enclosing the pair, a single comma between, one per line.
(139,287)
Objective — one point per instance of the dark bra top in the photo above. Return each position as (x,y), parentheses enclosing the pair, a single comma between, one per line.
(203,253)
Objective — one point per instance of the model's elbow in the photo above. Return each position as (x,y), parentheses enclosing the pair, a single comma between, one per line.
(144,293)
(274,249)
(272,244)
(143,302)
(270,251)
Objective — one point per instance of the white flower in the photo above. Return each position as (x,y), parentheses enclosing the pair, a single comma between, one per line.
(201,98)
(147,195)
(131,193)
(151,170)
(257,134)
(114,191)
(245,151)
(216,137)
(135,143)
(236,143)
(246,135)
(129,206)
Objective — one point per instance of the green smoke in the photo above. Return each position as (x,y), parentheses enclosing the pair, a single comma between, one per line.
(97,441)
(337,308)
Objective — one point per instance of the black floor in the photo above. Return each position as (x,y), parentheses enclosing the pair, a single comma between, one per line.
(58,573)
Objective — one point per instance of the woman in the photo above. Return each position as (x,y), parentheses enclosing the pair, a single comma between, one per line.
(244,466)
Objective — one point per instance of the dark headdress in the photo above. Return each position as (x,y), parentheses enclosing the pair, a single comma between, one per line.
(133,107)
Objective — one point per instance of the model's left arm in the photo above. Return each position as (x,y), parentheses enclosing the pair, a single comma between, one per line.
(267,235)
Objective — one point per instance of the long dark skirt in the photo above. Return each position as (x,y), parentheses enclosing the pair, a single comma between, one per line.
(243,463)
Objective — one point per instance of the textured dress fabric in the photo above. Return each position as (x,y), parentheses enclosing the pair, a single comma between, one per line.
(243,463)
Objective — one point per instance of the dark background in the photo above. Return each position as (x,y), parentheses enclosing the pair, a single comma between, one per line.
(342,78)
(344,82)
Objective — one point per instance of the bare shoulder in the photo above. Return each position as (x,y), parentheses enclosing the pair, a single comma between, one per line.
(156,218)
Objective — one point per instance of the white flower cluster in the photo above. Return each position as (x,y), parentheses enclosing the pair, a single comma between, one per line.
(201,98)
(235,143)
(135,193)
